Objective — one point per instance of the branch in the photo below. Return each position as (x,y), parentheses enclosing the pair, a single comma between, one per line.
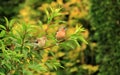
(61,41)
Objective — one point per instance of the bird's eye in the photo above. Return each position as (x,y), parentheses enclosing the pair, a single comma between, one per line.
(36,41)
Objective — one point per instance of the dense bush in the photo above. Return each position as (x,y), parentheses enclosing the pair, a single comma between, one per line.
(9,8)
(76,57)
(73,12)
(21,55)
(105,21)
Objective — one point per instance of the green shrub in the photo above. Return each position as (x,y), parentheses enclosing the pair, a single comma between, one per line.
(9,8)
(105,21)
(20,55)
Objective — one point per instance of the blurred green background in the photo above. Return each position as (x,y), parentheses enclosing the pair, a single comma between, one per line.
(101,20)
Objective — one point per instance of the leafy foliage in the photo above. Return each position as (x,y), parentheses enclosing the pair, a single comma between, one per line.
(105,21)
(9,8)
(19,54)
(72,12)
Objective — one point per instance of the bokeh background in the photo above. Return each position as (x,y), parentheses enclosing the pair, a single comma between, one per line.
(101,20)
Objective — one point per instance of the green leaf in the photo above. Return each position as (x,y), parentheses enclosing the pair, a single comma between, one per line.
(24,27)
(76,42)
(56,12)
(73,37)
(2,27)
(2,73)
(79,29)
(2,46)
(7,22)
(52,10)
(8,66)
(70,44)
(51,53)
(37,67)
(2,34)
(64,46)
(47,13)
(19,34)
(82,39)
(11,23)
(40,24)
(26,72)
(55,67)
(49,65)
(59,21)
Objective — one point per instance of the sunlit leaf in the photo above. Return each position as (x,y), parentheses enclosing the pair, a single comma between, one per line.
(47,13)
(7,22)
(49,65)
(11,24)
(40,24)
(82,39)
(2,46)
(2,33)
(70,44)
(37,67)
(51,53)
(2,27)
(2,73)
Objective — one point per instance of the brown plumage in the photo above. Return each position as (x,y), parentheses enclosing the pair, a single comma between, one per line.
(61,34)
(41,41)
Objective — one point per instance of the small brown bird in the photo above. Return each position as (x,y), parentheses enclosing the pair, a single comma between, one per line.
(41,41)
(60,35)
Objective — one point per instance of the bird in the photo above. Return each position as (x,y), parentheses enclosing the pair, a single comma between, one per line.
(61,33)
(41,41)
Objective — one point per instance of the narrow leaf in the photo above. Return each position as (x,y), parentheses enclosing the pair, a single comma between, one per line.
(83,40)
(2,27)
(7,22)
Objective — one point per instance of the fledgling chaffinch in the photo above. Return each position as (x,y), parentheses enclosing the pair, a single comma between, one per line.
(61,33)
(41,41)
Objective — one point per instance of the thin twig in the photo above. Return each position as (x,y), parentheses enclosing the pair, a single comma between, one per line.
(61,41)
